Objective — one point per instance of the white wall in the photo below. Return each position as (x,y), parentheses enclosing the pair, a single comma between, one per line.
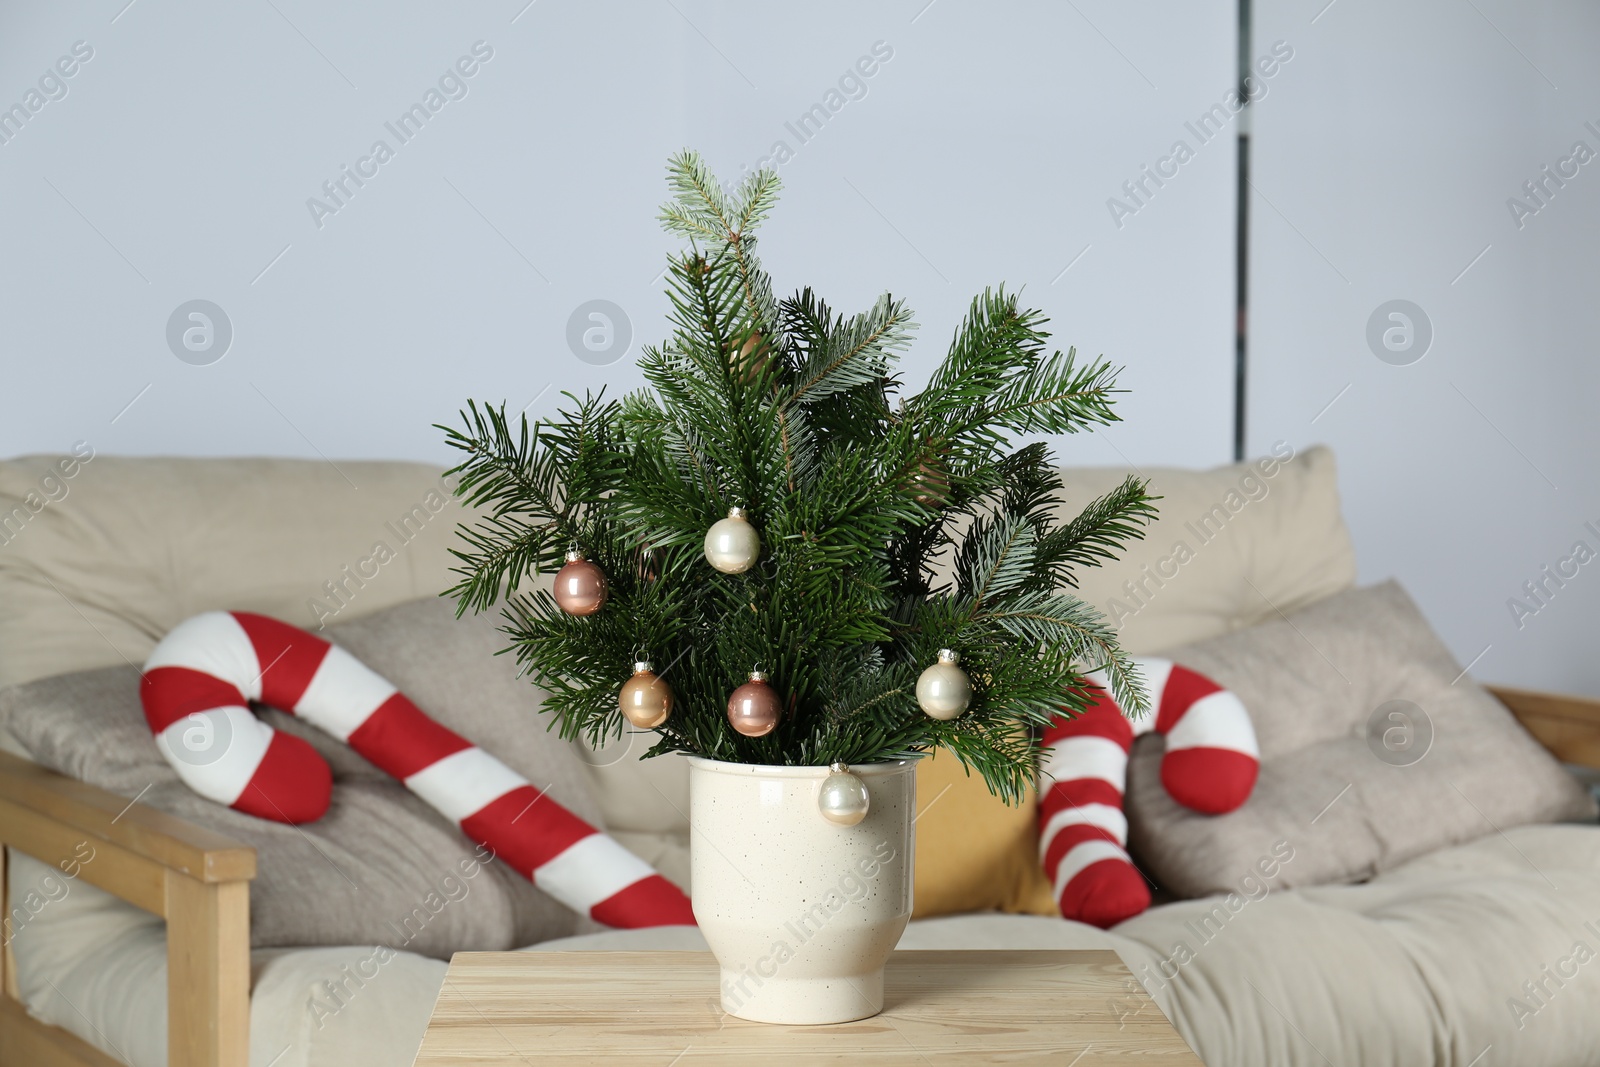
(1383,163)
(178,165)
(179,162)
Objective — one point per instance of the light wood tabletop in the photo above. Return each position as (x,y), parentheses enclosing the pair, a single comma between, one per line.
(637,1008)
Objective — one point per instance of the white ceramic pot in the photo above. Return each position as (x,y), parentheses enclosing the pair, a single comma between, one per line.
(801,913)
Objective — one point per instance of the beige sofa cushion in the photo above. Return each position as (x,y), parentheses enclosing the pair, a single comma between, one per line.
(1232,546)
(1375,749)
(95,568)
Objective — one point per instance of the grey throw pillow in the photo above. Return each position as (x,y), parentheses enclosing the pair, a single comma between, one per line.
(381,867)
(1375,748)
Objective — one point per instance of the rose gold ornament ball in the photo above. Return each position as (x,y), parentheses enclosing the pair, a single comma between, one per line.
(580,586)
(754,709)
(932,484)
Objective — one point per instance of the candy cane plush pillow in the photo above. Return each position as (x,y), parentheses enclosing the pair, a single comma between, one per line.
(1210,766)
(196,691)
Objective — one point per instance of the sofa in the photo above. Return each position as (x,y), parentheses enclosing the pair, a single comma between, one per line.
(144,928)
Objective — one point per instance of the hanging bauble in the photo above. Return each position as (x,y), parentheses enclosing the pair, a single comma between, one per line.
(732,544)
(646,700)
(931,483)
(754,709)
(647,562)
(751,361)
(580,586)
(944,690)
(844,799)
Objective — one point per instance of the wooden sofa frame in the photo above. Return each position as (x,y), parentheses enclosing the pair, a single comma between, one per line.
(199,882)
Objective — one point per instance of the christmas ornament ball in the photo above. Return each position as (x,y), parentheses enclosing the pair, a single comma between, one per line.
(944,690)
(580,587)
(844,800)
(754,708)
(647,562)
(645,700)
(732,544)
(751,361)
(931,483)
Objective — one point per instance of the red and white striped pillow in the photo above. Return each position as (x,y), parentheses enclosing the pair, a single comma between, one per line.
(196,691)
(1210,766)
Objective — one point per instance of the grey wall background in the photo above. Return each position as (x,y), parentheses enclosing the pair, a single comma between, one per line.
(1383,164)
(179,160)
(179,163)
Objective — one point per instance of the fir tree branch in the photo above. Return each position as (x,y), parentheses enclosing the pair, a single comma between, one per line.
(794,413)
(854,353)
(1081,635)
(997,558)
(1057,397)
(698,211)
(1097,533)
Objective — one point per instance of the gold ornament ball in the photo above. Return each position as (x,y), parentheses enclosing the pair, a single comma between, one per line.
(645,700)
(580,586)
(844,800)
(754,709)
(944,690)
(732,544)
(751,361)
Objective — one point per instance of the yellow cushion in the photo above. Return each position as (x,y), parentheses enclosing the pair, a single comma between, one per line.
(974,853)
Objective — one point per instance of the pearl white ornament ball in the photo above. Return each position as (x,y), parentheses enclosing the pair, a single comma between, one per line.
(732,544)
(844,800)
(944,690)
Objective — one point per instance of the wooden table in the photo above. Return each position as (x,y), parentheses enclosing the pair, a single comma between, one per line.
(638,1008)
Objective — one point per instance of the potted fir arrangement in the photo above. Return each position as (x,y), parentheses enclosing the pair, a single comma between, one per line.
(746,556)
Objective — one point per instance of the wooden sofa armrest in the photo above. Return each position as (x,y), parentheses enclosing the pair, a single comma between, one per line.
(199,881)
(1569,726)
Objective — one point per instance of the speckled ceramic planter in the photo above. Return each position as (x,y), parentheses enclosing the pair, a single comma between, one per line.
(800,912)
